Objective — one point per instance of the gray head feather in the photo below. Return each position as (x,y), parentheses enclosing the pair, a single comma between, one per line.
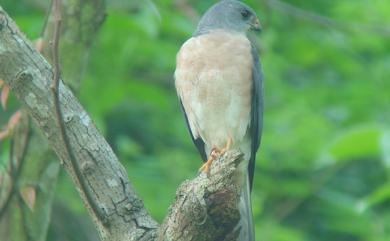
(229,15)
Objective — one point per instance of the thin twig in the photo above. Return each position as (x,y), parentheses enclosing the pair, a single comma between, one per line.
(56,67)
(324,20)
(15,171)
(11,174)
(59,117)
(45,24)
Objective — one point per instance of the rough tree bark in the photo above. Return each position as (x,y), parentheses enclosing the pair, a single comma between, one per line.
(205,208)
(36,167)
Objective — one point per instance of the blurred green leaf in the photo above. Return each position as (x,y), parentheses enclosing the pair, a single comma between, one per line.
(357,142)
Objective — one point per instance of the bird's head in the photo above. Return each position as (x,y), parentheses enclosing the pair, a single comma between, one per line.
(230,15)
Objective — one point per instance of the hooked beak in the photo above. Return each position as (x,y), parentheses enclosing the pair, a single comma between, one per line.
(255,25)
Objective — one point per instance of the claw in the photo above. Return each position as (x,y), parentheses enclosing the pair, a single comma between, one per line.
(215,152)
(213,155)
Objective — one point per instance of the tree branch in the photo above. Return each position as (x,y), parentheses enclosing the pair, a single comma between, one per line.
(205,209)
(30,76)
(81,20)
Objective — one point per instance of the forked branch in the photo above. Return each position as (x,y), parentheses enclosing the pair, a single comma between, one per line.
(205,208)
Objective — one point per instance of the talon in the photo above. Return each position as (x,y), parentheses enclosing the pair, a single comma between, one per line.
(213,155)
(206,166)
(215,152)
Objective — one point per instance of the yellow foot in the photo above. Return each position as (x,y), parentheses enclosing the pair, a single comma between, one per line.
(213,155)
(206,166)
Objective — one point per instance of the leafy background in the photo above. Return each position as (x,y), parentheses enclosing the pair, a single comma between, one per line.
(323,169)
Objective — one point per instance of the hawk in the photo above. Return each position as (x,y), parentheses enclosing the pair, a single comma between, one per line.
(218,79)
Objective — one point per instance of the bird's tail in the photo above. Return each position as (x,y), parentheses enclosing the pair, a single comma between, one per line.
(247,232)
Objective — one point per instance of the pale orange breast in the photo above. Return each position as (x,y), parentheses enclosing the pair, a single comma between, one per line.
(213,78)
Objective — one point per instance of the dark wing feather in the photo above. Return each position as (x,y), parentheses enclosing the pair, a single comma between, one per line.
(198,141)
(256,123)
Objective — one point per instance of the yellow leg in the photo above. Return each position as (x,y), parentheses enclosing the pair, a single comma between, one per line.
(227,147)
(213,155)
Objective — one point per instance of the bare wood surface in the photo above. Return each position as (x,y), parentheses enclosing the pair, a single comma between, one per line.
(206,206)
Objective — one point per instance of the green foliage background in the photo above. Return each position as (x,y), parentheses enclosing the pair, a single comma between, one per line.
(323,169)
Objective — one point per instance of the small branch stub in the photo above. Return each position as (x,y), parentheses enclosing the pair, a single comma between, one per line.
(206,208)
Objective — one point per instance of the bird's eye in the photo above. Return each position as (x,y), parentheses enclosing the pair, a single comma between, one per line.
(245,13)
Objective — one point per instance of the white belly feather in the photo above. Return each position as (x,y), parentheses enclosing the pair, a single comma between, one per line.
(213,78)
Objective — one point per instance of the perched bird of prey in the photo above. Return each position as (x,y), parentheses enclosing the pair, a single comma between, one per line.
(219,82)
